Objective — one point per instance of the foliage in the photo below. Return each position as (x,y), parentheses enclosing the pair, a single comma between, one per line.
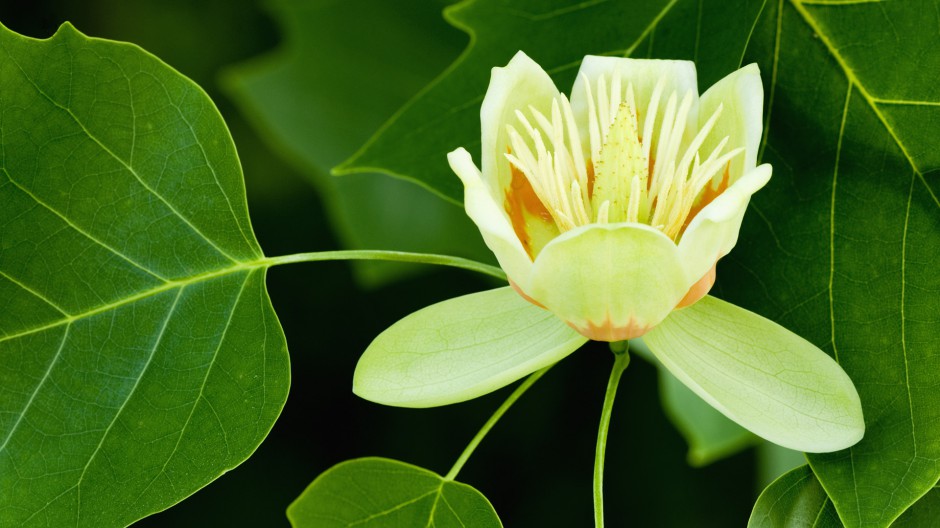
(141,355)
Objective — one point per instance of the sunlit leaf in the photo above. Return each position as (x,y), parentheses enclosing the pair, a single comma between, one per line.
(461,348)
(140,357)
(345,67)
(383,493)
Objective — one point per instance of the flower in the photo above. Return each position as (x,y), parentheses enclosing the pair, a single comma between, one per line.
(611,210)
(608,214)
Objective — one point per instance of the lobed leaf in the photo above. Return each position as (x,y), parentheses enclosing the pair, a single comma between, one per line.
(140,357)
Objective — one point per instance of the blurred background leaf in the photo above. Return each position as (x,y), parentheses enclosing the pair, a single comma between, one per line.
(343,68)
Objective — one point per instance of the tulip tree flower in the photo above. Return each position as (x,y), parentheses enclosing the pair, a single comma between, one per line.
(608,212)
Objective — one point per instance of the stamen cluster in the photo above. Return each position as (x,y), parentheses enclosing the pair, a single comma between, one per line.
(646,176)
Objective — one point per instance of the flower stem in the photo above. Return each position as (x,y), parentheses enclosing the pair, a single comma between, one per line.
(621,360)
(395,256)
(520,390)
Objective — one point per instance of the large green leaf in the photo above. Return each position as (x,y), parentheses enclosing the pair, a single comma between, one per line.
(841,244)
(446,115)
(140,357)
(797,500)
(854,269)
(383,493)
(344,68)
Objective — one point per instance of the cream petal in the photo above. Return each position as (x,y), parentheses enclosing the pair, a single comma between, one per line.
(461,348)
(610,282)
(764,377)
(741,95)
(516,86)
(490,218)
(714,230)
(677,76)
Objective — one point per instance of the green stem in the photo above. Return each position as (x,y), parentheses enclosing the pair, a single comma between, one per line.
(621,360)
(396,256)
(520,390)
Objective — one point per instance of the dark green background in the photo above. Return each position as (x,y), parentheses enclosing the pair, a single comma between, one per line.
(535,466)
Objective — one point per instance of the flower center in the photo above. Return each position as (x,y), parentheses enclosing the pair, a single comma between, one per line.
(639,175)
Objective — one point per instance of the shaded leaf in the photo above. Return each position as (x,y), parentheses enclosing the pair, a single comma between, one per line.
(795,500)
(379,492)
(140,357)
(345,67)
(446,115)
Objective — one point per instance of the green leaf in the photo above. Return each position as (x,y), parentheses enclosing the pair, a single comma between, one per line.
(461,348)
(446,115)
(840,246)
(330,85)
(761,375)
(795,500)
(711,435)
(379,492)
(923,514)
(141,357)
(854,271)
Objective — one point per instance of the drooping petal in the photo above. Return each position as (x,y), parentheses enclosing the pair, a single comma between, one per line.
(461,348)
(609,281)
(490,218)
(760,375)
(516,86)
(643,74)
(714,230)
(741,96)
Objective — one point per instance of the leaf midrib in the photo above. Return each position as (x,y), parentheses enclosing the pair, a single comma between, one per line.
(144,294)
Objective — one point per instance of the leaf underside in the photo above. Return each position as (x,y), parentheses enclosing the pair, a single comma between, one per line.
(140,357)
(839,247)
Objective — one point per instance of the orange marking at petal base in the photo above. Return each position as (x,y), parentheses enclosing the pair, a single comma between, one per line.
(699,289)
(708,194)
(520,201)
(590,178)
(607,331)
(524,295)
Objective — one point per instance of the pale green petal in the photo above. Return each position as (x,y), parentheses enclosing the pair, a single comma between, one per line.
(626,276)
(461,348)
(676,75)
(741,95)
(714,230)
(519,84)
(490,218)
(768,379)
